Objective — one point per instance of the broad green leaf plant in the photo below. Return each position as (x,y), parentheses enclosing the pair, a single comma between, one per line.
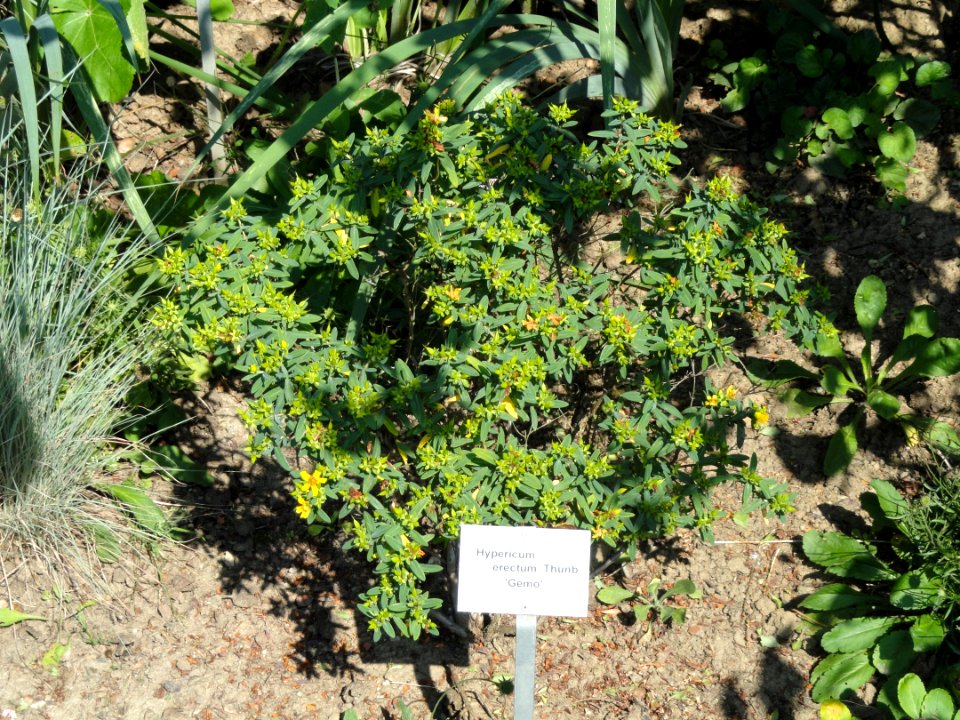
(835,99)
(418,325)
(895,612)
(87,47)
(867,383)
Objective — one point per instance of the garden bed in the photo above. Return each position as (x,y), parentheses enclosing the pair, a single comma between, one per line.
(255,619)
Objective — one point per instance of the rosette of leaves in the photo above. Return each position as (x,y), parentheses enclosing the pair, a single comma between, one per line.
(418,324)
(894,614)
(868,383)
(652,602)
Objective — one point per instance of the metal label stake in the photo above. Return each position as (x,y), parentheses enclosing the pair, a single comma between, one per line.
(526,572)
(525,662)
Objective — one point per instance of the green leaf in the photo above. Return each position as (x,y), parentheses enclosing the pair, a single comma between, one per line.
(53,657)
(937,705)
(931,72)
(10,617)
(220,10)
(884,404)
(890,500)
(856,634)
(939,358)
(921,324)
(93,33)
(863,46)
(889,74)
(840,450)
(139,32)
(900,143)
(770,373)
(735,100)
(752,69)
(839,122)
(927,633)
(910,693)
(141,507)
(836,382)
(845,556)
(922,320)
(801,402)
(892,173)
(405,712)
(893,654)
(642,612)
(827,344)
(380,108)
(810,62)
(942,436)
(869,302)
(921,115)
(836,674)
(614,594)
(485,455)
(607,29)
(684,586)
(916,590)
(837,596)
(769,641)
(17,48)
(105,544)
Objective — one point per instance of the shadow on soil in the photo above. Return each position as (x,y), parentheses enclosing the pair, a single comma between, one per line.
(246,520)
(781,687)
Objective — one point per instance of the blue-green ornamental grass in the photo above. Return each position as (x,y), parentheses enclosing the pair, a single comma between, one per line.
(418,323)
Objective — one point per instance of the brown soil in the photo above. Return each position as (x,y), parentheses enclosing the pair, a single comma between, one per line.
(254,619)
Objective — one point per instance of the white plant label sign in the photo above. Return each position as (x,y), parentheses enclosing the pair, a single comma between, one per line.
(523,570)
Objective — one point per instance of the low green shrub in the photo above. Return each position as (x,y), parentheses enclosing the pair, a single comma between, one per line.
(421,325)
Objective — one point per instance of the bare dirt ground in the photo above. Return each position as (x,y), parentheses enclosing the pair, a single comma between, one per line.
(253,618)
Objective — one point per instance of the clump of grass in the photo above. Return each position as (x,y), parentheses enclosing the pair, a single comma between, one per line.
(70,348)
(932,521)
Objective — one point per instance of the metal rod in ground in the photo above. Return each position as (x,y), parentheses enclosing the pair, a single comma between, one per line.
(525,656)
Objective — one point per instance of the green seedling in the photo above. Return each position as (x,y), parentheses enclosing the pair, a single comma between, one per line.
(653,602)
(53,658)
(868,383)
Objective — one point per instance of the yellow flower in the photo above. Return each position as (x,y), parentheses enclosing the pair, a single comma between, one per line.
(760,416)
(312,482)
(303,507)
